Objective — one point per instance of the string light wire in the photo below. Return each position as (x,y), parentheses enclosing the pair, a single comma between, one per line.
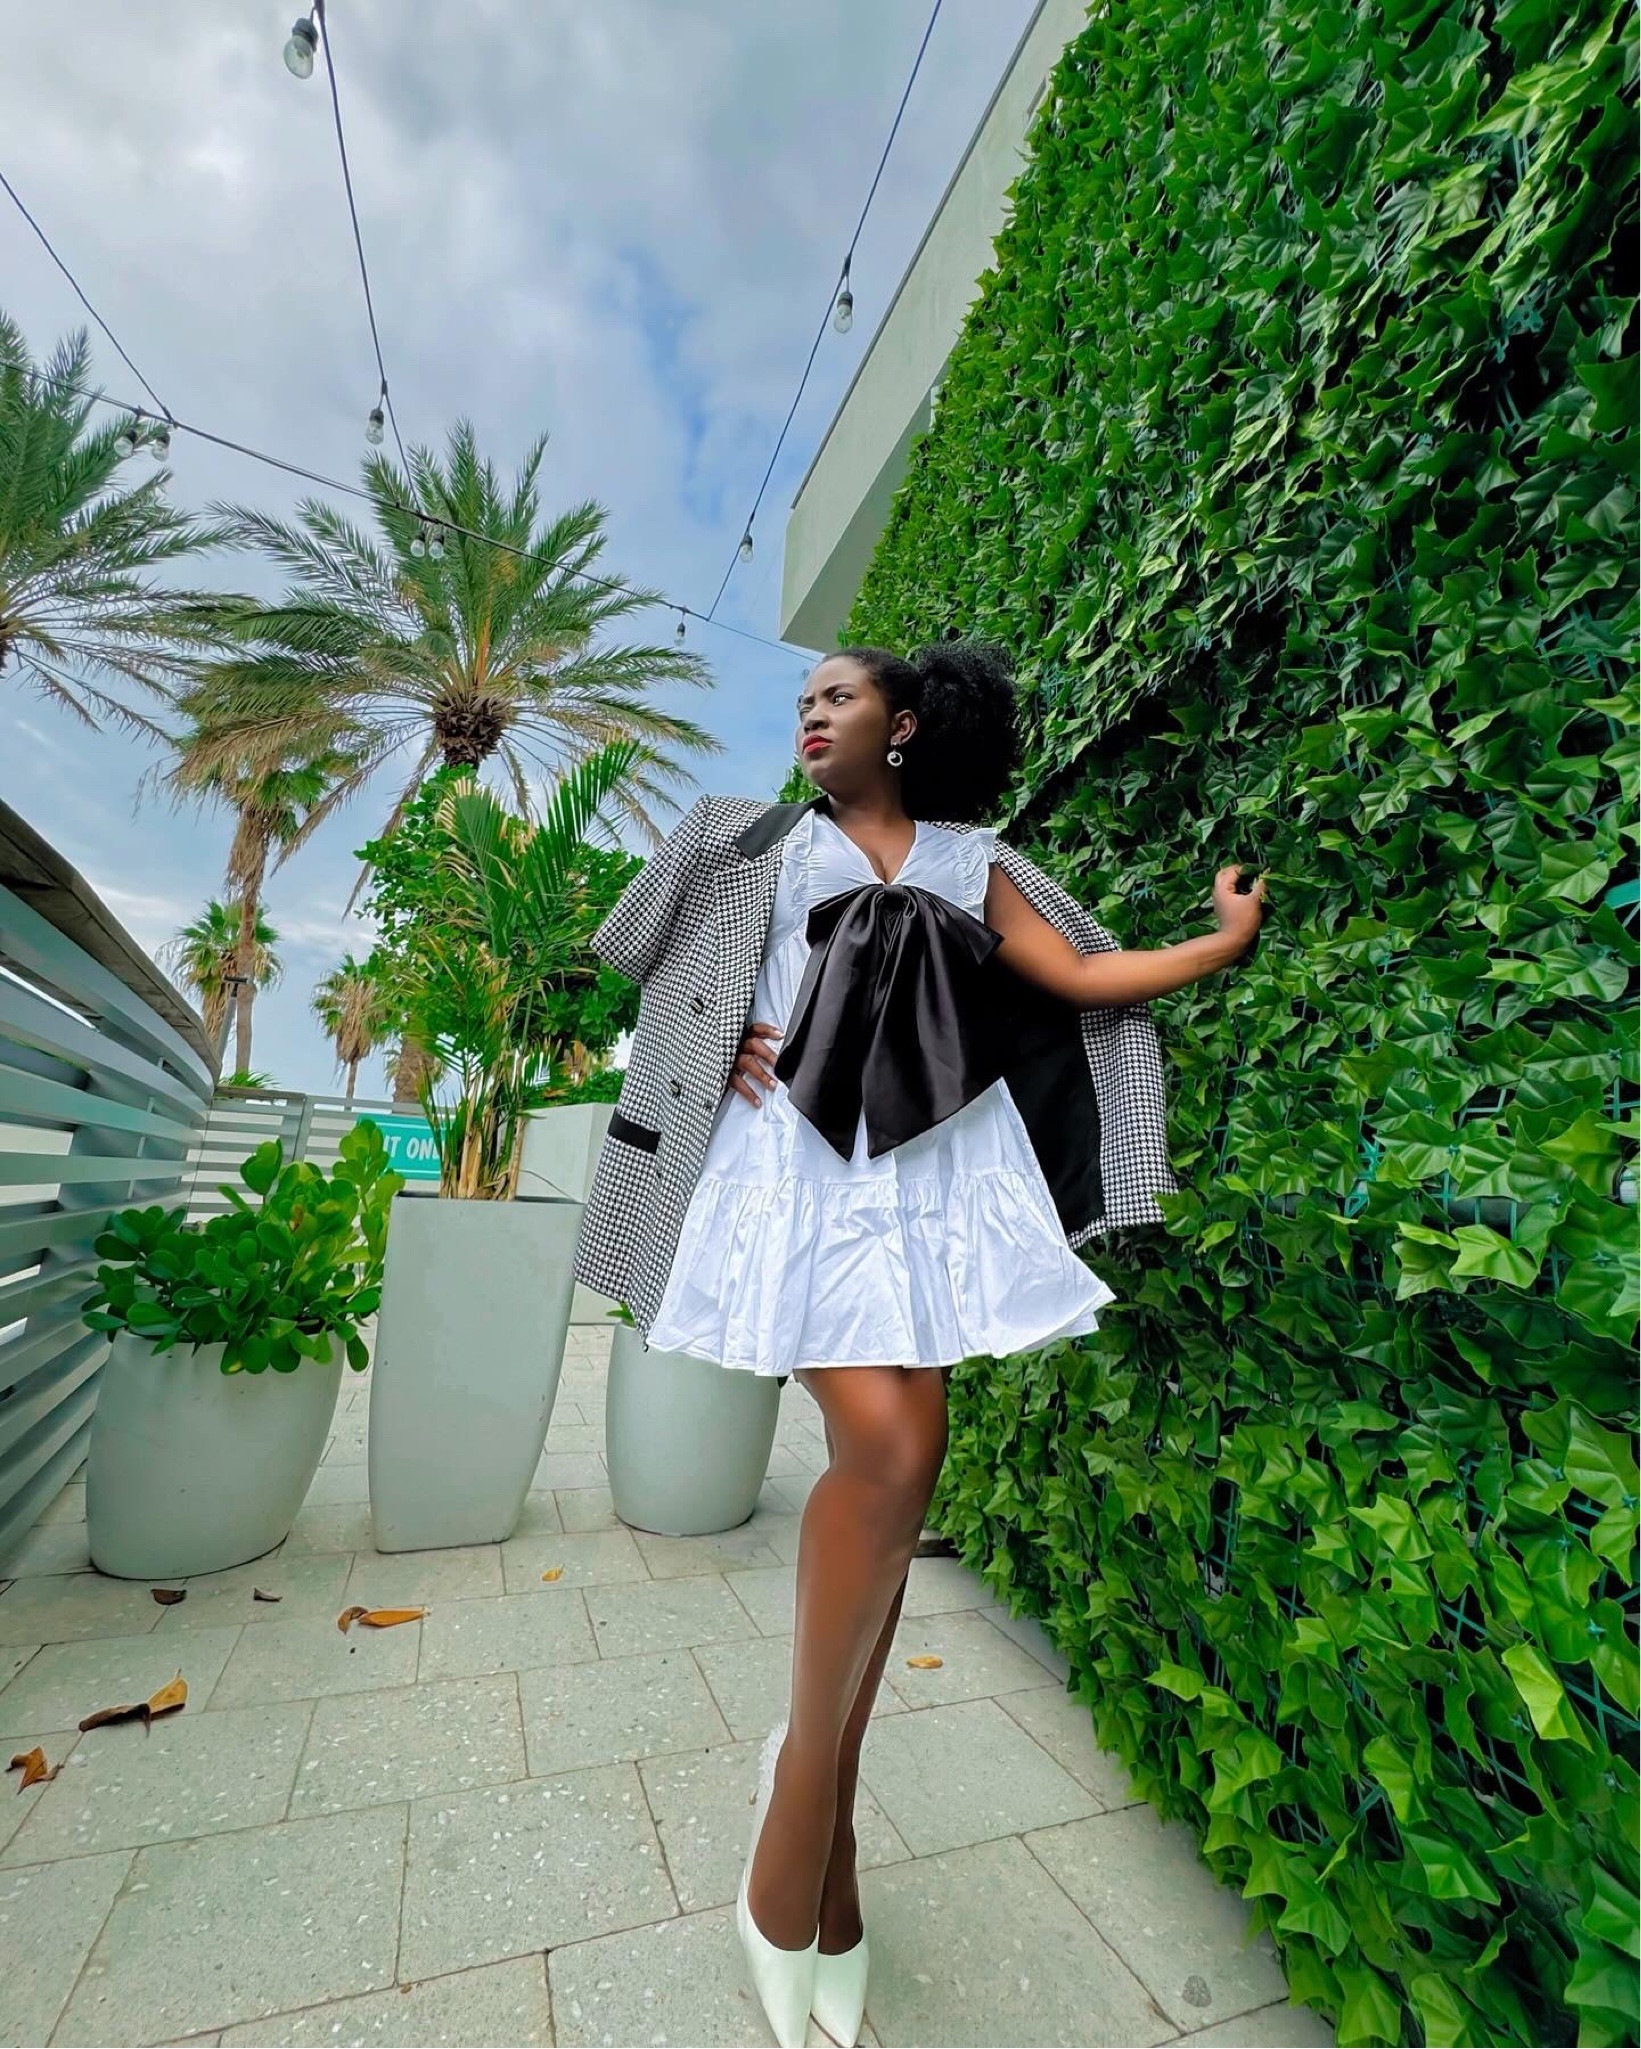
(743,545)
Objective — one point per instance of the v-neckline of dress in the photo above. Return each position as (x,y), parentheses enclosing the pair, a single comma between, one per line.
(882,881)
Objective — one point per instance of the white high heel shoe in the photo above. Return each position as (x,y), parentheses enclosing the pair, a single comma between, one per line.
(784,1979)
(840,1993)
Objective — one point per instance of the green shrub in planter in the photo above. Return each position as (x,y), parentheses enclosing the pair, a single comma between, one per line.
(274,1283)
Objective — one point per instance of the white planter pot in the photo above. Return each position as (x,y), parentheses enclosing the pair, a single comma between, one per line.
(469,1346)
(561,1150)
(687,1443)
(191,1469)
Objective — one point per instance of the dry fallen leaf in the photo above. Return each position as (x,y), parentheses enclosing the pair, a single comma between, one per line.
(168,1597)
(556,1573)
(378,1618)
(258,1595)
(925,1664)
(32,1764)
(165,1702)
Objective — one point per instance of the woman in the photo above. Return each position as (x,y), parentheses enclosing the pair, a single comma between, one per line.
(886,1077)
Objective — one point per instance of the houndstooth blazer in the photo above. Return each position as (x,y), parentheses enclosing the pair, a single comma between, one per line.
(690,929)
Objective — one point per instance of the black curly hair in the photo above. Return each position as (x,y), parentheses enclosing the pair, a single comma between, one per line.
(967,744)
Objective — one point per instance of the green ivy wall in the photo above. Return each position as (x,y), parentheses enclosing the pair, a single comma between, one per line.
(1291,447)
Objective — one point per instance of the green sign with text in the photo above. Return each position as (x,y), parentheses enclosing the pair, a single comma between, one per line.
(410,1147)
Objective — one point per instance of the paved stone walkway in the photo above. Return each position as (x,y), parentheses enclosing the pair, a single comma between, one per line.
(522,1820)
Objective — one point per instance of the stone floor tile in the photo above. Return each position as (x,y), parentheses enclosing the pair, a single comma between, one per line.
(539,1517)
(1033,1639)
(189,1775)
(768,1593)
(574,1440)
(69,1507)
(48,1547)
(683,1980)
(948,1776)
(65,1682)
(347,1439)
(570,1469)
(513,1869)
(309,1657)
(1269,2027)
(977,1660)
(13,1657)
(414,1579)
(1182,1934)
(702,1804)
(587,1508)
(978,1946)
(939,1586)
(338,1486)
(1065,1729)
(508,1633)
(233,1927)
(793,1490)
(724,1551)
(15,1805)
(783,1460)
(497,2003)
(779,1528)
(50,1915)
(585,1558)
(752,1683)
(343,1526)
(67,1607)
(616,1709)
(365,1749)
(666,1614)
(570,1412)
(306,1585)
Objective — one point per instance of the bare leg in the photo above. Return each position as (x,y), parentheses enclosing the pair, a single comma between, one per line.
(887,1429)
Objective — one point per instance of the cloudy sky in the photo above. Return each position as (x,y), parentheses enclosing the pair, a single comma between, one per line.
(615,222)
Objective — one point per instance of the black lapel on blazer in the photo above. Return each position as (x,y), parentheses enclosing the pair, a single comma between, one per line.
(773,825)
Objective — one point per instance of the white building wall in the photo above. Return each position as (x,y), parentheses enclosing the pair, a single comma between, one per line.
(843,502)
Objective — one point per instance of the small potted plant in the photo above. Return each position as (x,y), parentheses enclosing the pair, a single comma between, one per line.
(228,1344)
(687,1442)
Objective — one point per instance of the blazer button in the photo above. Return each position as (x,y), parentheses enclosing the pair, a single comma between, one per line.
(698,1004)
(677,1087)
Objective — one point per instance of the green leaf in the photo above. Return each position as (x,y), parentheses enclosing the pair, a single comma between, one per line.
(1546,1700)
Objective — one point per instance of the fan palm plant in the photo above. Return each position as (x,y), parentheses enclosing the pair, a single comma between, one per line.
(204,957)
(80,620)
(271,797)
(351,1006)
(465,652)
(477,986)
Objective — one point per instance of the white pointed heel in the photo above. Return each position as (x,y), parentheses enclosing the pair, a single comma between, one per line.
(784,1979)
(840,1993)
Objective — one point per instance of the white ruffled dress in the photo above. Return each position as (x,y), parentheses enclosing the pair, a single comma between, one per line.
(943,1248)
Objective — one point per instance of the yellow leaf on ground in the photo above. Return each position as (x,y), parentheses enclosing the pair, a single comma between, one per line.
(169,1596)
(32,1764)
(925,1664)
(556,1573)
(387,1618)
(165,1702)
(348,1616)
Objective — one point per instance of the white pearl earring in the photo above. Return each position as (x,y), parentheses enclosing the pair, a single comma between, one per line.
(895,757)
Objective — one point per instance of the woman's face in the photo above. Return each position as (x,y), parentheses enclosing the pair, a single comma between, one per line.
(845,728)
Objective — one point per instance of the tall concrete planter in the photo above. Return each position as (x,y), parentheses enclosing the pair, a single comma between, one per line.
(560,1157)
(190,1469)
(687,1443)
(469,1347)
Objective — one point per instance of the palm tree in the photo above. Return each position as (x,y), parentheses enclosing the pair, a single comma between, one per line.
(271,799)
(350,1004)
(204,957)
(79,618)
(485,649)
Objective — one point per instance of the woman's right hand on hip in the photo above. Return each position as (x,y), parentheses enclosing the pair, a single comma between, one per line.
(754,1062)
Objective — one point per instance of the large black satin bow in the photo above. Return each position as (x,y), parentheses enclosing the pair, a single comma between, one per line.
(895,1015)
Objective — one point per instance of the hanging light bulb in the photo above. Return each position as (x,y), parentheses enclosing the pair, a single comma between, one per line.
(843,314)
(125,442)
(299,51)
(375,426)
(435,543)
(418,543)
(746,545)
(159,442)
